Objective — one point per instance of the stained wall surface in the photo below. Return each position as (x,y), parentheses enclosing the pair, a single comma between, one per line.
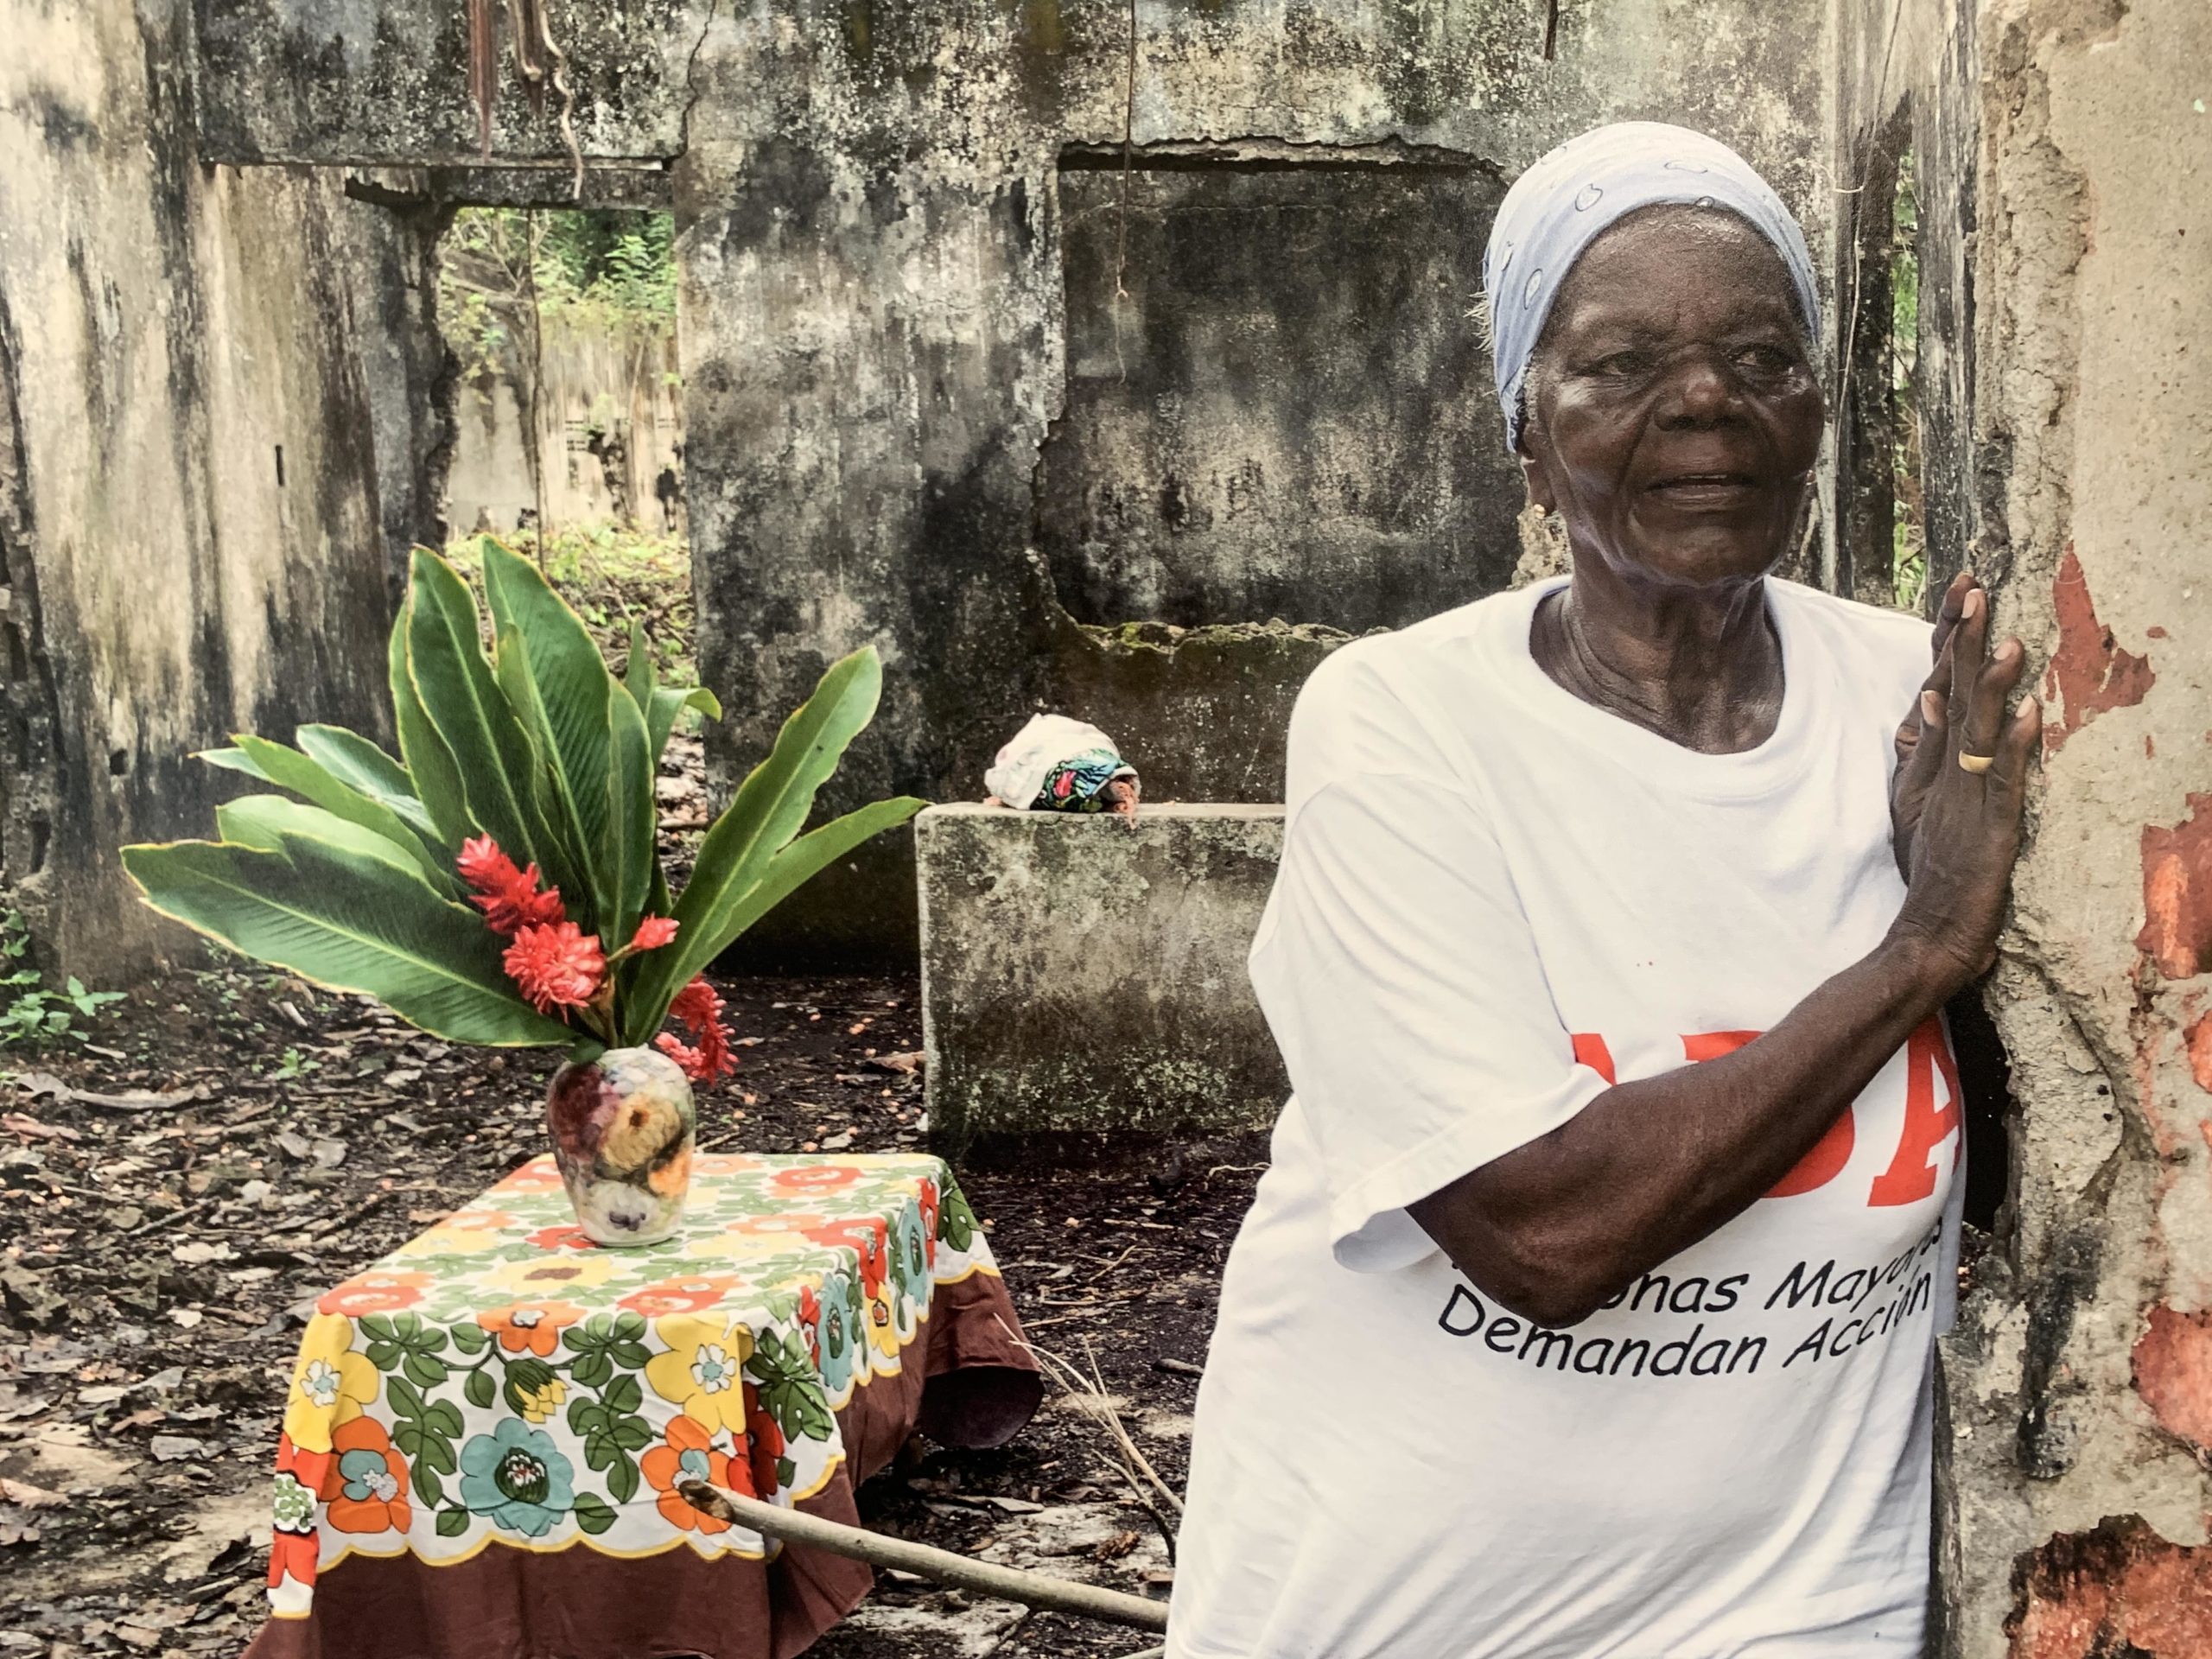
(609,422)
(896,358)
(217,425)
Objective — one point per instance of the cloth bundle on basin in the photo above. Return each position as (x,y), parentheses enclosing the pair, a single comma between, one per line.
(1058,765)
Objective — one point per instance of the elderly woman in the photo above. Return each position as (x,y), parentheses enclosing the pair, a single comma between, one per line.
(1585,1312)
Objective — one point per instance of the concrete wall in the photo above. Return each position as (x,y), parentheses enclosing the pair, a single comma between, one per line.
(217,429)
(1086,973)
(598,383)
(895,362)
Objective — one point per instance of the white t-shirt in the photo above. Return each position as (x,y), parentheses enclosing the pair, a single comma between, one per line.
(1494,901)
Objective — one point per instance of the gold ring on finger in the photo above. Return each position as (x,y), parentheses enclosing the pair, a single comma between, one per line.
(1976,762)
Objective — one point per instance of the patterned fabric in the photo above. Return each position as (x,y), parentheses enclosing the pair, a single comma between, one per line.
(1072,784)
(1560,205)
(501,1380)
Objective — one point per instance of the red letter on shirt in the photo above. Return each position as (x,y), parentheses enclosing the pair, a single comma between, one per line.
(1590,1050)
(1911,1175)
(1825,1162)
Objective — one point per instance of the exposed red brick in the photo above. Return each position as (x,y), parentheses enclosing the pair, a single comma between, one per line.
(2173,1373)
(2200,1053)
(2121,1589)
(2089,672)
(2177,893)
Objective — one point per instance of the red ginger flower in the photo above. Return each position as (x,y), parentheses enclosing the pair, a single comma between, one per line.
(508,897)
(653,932)
(697,1007)
(557,964)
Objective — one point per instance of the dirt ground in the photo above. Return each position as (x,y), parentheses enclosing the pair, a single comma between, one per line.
(158,1259)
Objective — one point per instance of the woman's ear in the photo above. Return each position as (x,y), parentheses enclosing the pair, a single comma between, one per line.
(1537,482)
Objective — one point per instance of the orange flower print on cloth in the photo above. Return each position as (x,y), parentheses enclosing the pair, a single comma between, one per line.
(365,1483)
(502,1378)
(293,1546)
(562,1236)
(779,1223)
(687,1451)
(530,1327)
(692,1296)
(814,1178)
(763,1443)
(538,1175)
(925,1195)
(379,1291)
(703,1370)
(868,1236)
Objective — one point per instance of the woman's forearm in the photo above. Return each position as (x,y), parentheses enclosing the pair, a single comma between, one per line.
(1555,1227)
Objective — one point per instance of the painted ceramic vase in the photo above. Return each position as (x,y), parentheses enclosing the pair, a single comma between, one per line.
(622,1128)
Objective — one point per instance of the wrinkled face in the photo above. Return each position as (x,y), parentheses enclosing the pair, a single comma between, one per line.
(1673,414)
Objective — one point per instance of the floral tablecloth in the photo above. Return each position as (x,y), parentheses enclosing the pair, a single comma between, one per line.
(486,1430)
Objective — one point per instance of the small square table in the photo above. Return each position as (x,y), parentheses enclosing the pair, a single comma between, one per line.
(486,1430)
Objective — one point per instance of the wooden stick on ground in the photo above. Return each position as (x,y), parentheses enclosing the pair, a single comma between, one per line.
(1006,1583)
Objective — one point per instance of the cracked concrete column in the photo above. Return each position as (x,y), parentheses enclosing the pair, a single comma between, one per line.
(2079,1385)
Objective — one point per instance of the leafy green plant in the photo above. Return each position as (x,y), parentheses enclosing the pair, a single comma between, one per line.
(29,1012)
(520,806)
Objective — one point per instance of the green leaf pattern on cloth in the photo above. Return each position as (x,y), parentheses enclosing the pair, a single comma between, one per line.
(500,1379)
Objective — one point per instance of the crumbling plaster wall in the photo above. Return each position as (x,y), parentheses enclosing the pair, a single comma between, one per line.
(166,329)
(874,328)
(2079,1385)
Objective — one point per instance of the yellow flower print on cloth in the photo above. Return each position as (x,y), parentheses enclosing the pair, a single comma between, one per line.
(703,1370)
(331,1384)
(555,1274)
(465,1232)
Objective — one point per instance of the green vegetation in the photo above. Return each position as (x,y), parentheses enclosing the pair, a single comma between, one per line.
(30,1013)
(615,578)
(608,266)
(521,806)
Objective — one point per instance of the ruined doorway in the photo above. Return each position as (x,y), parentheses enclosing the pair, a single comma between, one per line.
(567,406)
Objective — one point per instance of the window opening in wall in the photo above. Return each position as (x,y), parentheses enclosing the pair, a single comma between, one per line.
(567,423)
(1908,516)
(568,409)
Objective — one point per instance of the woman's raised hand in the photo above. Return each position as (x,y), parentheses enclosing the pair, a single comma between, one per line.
(1956,801)
(1909,784)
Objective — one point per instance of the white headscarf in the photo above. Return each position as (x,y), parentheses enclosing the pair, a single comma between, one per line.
(1560,206)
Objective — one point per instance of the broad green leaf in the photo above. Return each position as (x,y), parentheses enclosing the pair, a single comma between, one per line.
(790,870)
(352,760)
(303,776)
(233,760)
(770,807)
(574,692)
(568,868)
(662,704)
(497,763)
(429,762)
(271,823)
(670,701)
(351,921)
(639,675)
(630,849)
